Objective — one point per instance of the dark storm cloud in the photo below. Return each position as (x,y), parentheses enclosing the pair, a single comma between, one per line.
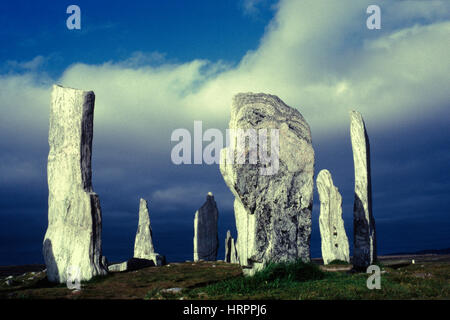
(410,184)
(321,63)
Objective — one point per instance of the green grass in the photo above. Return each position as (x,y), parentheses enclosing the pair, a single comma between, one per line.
(274,276)
(218,280)
(300,280)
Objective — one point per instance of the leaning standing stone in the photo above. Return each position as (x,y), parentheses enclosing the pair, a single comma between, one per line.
(206,241)
(334,240)
(364,251)
(273,195)
(72,243)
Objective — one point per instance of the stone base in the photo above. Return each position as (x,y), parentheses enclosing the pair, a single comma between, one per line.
(136,264)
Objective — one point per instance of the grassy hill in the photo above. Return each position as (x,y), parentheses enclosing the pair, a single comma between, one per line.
(428,278)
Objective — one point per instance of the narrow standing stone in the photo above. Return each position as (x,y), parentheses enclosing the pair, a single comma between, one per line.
(72,242)
(233,255)
(334,240)
(143,244)
(206,241)
(365,250)
(230,249)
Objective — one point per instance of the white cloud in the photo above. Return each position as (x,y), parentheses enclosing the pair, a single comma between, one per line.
(320,58)
(317,56)
(24,101)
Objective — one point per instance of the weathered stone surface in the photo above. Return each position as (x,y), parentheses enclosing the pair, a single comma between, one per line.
(365,250)
(206,241)
(105,262)
(334,240)
(143,244)
(272,211)
(136,264)
(118,267)
(230,249)
(233,256)
(73,237)
(131,265)
(175,290)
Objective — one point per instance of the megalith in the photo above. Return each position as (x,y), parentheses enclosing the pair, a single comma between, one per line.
(273,187)
(206,241)
(73,238)
(364,247)
(143,244)
(230,249)
(334,242)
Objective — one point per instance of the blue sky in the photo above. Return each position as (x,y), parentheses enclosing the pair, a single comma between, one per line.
(113,30)
(156,66)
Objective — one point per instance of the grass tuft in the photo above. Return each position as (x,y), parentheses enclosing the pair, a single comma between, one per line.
(273,276)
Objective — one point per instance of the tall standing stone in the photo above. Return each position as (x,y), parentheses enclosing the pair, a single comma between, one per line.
(206,241)
(334,240)
(143,244)
(72,243)
(230,249)
(365,250)
(272,207)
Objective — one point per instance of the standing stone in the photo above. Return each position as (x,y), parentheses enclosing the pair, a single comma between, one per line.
(105,262)
(230,249)
(234,255)
(72,243)
(272,208)
(332,232)
(131,265)
(143,244)
(206,241)
(364,251)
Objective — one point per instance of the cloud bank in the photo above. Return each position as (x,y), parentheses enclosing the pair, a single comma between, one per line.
(317,56)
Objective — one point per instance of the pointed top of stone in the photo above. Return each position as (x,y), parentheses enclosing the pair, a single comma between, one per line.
(143,245)
(356,117)
(325,175)
(325,180)
(143,211)
(364,248)
(334,241)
